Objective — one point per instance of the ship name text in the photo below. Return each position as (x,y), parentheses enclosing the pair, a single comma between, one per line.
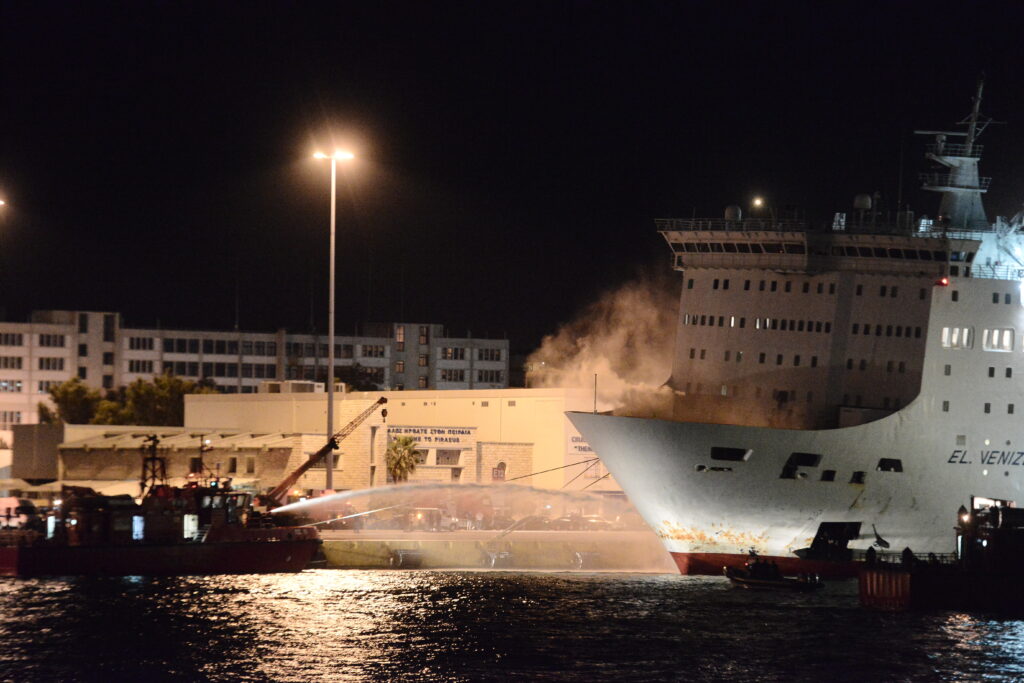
(1008,458)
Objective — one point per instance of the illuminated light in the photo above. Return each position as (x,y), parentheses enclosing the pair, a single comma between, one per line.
(942,282)
(319,155)
(758,201)
(965,518)
(296,492)
(342,155)
(57,502)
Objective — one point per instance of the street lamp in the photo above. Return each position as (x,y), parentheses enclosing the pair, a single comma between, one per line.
(338,155)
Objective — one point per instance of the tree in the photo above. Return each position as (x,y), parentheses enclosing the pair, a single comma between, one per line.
(76,403)
(159,402)
(401,458)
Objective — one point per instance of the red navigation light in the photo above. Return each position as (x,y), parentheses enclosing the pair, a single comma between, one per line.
(942,282)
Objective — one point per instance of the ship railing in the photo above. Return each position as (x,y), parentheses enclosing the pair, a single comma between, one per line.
(951,180)
(895,557)
(954,150)
(744,224)
(1000,272)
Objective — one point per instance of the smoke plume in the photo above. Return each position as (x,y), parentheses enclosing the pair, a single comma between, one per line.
(626,339)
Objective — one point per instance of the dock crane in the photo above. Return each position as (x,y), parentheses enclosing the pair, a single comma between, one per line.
(276,496)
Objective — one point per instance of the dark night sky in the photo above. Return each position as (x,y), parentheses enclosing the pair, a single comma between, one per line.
(513,155)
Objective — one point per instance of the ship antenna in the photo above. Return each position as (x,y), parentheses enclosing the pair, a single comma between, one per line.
(972,129)
(154,467)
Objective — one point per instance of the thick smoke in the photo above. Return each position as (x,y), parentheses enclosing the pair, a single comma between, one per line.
(626,339)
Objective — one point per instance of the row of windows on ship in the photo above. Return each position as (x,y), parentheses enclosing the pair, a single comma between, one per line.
(796,465)
(762,358)
(784,397)
(836,250)
(789,325)
(992,339)
(890,291)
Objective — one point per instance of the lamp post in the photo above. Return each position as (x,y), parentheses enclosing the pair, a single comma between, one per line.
(335,158)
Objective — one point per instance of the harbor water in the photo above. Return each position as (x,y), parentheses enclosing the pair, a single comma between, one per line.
(378,625)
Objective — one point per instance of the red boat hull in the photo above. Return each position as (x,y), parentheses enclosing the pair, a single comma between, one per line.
(711,564)
(237,557)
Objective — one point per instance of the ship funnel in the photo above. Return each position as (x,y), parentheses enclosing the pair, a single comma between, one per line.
(733,213)
(862,202)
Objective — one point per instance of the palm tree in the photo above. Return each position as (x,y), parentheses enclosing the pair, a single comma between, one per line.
(401,458)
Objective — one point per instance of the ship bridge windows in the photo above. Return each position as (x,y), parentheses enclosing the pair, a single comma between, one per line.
(858,477)
(997,339)
(716,247)
(772,247)
(731,454)
(889,465)
(730,247)
(957,337)
(743,248)
(796,460)
(794,248)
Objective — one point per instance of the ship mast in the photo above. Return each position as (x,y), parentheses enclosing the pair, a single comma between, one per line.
(961,186)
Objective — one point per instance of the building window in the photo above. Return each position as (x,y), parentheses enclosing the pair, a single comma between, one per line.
(10,386)
(108,357)
(1009,409)
(51,340)
(108,327)
(857,478)
(424,334)
(51,363)
(10,339)
(10,362)
(453,353)
(988,407)
(453,375)
(145,366)
(422,382)
(1009,373)
(488,354)
(498,473)
(140,343)
(991,371)
(83,323)
(945,406)
(489,376)
(448,457)
(954,295)
(373,350)
(108,381)
(232,465)
(250,464)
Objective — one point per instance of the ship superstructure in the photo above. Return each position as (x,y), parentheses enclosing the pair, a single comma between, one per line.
(835,388)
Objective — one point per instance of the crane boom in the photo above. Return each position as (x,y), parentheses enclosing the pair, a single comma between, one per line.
(277,494)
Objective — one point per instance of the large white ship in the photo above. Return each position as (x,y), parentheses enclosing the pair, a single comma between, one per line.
(835,389)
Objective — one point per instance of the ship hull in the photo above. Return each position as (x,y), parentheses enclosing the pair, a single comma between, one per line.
(711,513)
(238,557)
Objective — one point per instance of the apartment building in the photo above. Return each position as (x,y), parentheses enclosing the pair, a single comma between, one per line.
(54,346)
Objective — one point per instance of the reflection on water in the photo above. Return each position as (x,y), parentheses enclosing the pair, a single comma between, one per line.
(444,626)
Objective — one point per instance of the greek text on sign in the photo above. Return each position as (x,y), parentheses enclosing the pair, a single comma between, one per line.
(442,437)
